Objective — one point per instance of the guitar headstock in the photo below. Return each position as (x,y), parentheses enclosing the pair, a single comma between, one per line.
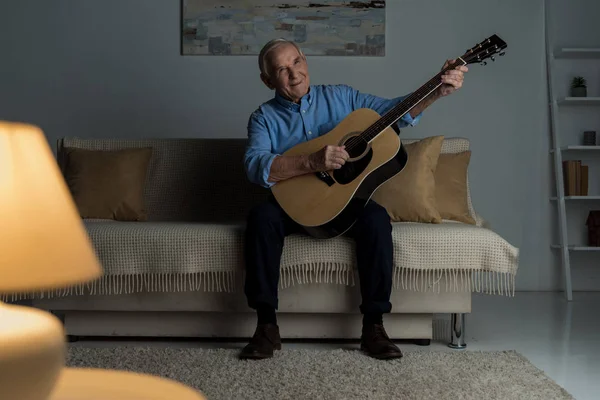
(484,50)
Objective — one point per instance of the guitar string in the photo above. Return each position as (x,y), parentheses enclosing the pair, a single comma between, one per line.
(399,110)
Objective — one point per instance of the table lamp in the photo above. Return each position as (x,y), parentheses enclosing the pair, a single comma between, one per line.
(43,246)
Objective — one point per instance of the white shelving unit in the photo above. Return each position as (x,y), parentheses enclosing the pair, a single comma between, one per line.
(578,148)
(552,55)
(577,248)
(574,52)
(578,198)
(579,101)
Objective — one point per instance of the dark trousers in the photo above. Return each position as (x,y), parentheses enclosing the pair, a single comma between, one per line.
(266,229)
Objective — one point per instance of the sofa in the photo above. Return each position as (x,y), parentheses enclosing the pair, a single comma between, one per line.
(179,271)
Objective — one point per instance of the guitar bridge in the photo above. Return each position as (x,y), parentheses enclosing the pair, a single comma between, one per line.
(325,177)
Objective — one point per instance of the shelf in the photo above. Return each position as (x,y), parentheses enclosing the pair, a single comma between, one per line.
(578,198)
(577,52)
(580,101)
(577,248)
(578,148)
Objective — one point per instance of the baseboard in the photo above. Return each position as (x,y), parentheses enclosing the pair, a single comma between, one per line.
(242,325)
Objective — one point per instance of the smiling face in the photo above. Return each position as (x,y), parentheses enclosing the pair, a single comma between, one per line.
(287,72)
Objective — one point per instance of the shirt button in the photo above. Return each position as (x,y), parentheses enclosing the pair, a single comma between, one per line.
(303,111)
(309,132)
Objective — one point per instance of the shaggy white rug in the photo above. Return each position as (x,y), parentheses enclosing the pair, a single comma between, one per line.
(334,374)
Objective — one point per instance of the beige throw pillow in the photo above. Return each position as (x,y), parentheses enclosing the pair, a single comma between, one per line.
(410,195)
(451,187)
(108,184)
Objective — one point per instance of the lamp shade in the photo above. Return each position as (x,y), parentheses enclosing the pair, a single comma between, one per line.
(43,242)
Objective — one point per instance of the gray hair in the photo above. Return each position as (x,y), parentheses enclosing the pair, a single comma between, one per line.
(270,46)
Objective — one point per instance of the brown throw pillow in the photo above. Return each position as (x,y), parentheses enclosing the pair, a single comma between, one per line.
(451,187)
(410,195)
(108,184)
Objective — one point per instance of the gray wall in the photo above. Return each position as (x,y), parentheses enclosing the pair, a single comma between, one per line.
(113,69)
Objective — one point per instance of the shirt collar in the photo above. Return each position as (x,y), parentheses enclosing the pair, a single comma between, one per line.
(304,101)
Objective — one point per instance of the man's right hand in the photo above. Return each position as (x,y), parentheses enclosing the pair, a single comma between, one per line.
(328,158)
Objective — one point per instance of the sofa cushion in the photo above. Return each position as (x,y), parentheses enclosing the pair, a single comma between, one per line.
(451,187)
(189,179)
(410,195)
(108,184)
(453,145)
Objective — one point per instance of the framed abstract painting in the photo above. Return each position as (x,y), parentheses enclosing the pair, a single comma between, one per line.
(241,27)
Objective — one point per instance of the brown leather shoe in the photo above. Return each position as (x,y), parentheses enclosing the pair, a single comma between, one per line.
(266,339)
(376,343)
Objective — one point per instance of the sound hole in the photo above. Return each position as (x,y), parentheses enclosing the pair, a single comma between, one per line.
(355,146)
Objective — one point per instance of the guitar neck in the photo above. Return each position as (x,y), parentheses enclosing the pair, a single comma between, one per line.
(407,104)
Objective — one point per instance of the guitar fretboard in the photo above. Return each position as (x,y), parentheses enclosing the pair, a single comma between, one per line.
(406,105)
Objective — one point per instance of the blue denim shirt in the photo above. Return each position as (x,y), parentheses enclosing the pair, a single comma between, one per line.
(279,124)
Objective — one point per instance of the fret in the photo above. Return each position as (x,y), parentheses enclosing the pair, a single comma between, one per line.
(406,105)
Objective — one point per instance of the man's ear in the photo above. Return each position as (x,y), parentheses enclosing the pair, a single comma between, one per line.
(266,81)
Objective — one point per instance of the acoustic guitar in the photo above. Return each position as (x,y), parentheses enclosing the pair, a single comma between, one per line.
(326,204)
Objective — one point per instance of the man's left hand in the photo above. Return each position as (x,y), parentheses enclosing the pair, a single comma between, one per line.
(452,80)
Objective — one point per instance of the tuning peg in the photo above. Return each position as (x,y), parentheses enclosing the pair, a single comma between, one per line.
(493,58)
(501,53)
(483,63)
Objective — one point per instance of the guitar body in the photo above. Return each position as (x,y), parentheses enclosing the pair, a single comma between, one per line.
(327,204)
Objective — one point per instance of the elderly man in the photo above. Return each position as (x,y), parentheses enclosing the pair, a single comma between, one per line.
(300,112)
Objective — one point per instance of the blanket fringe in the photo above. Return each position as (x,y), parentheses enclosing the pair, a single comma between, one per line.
(210,281)
(423,280)
(337,273)
(455,280)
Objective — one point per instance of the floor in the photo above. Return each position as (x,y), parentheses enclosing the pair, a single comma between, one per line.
(560,338)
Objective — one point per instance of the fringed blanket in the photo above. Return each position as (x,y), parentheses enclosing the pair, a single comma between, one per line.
(153,256)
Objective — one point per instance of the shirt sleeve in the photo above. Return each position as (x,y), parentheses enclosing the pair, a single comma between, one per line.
(258,157)
(381,105)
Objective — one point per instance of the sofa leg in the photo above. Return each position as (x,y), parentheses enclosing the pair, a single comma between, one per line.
(457,334)
(72,338)
(422,342)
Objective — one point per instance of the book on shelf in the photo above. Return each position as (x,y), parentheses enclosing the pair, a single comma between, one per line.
(584,180)
(576,178)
